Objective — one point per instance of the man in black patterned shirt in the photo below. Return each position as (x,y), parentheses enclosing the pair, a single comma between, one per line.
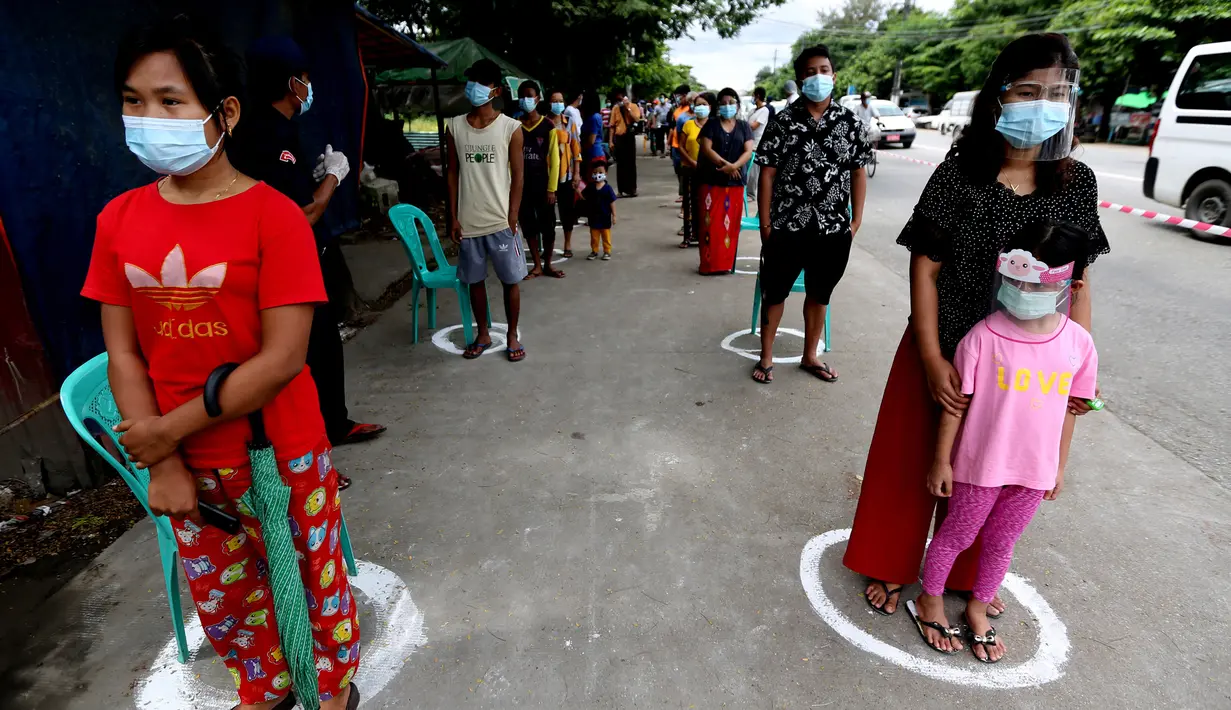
(811,156)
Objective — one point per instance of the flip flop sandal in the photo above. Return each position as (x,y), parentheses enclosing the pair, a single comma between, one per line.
(822,372)
(288,703)
(474,350)
(987,641)
(888,593)
(343,482)
(767,371)
(568,253)
(553,273)
(516,355)
(361,432)
(991,610)
(949,632)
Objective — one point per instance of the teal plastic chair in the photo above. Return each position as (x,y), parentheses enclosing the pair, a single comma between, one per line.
(746,223)
(408,220)
(797,287)
(90,407)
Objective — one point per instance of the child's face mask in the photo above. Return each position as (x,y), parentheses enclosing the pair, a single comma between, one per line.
(599,177)
(1029,289)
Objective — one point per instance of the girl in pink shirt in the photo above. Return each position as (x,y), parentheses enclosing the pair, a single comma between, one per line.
(996,464)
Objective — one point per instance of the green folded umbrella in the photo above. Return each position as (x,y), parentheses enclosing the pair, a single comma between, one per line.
(269,499)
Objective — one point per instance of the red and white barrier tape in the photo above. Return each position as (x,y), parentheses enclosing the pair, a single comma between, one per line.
(1105,204)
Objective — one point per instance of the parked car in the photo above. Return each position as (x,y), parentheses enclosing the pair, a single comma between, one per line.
(914,113)
(894,126)
(932,121)
(1190,149)
(956,113)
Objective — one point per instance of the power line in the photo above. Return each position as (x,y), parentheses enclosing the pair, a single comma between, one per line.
(862,30)
(924,38)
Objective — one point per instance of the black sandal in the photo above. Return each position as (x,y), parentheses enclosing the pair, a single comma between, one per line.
(947,632)
(888,593)
(767,371)
(822,372)
(987,641)
(992,613)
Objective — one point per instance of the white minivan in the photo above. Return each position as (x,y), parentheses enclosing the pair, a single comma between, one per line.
(1190,151)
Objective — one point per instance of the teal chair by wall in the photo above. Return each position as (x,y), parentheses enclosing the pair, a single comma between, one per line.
(797,287)
(90,407)
(408,220)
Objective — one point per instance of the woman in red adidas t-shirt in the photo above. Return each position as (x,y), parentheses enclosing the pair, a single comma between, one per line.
(203,267)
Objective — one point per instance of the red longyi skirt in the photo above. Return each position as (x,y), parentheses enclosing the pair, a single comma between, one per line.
(720,209)
(890,532)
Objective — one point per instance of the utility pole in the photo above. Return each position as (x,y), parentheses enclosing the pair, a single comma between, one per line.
(775,66)
(896,95)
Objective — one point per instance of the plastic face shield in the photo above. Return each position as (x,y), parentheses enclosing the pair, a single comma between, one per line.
(1038,113)
(1028,289)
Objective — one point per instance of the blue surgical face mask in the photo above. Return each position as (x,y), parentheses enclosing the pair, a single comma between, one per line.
(305,104)
(818,87)
(557,107)
(1025,124)
(702,111)
(170,146)
(1027,305)
(528,103)
(726,111)
(478,94)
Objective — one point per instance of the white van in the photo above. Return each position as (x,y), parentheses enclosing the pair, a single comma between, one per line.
(1190,151)
(956,113)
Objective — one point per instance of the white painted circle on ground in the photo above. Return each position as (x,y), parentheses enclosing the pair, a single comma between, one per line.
(394,632)
(747,258)
(554,261)
(499,333)
(1044,667)
(755,354)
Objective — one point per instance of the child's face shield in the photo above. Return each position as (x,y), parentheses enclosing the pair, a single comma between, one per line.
(1038,114)
(1028,289)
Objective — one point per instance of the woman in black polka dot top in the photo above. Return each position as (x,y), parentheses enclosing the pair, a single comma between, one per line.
(992,183)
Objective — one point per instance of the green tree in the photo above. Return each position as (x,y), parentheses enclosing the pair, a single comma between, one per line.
(570,42)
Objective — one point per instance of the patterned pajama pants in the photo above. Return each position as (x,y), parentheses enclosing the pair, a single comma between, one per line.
(1001,513)
(227,576)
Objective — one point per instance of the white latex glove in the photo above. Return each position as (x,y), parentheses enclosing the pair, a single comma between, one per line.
(334,163)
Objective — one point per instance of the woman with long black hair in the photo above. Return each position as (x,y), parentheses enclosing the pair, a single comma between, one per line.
(1011,167)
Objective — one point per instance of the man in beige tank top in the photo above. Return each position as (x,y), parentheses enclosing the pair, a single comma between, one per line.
(485,184)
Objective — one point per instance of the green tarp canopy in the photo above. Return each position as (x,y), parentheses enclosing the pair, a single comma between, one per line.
(1140,100)
(460,54)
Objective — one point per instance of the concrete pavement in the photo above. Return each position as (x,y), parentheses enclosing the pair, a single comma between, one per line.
(618,522)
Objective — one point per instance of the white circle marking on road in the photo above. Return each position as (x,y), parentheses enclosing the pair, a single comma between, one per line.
(1044,667)
(393,634)
(747,258)
(756,354)
(499,333)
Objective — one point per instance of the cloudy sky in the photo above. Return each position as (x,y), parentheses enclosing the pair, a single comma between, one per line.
(734,62)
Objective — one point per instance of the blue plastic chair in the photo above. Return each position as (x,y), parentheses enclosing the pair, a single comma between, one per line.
(408,220)
(746,223)
(90,407)
(798,287)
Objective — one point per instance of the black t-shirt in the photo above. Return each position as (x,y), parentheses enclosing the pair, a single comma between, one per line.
(266,147)
(728,146)
(534,146)
(964,224)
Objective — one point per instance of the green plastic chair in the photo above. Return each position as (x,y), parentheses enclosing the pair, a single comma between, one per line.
(746,223)
(797,287)
(90,408)
(408,220)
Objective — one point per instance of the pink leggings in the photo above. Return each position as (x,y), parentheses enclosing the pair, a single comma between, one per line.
(1001,513)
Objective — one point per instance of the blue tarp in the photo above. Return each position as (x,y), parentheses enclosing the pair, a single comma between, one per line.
(62,143)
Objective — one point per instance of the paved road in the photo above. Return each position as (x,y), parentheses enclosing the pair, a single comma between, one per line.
(621,520)
(1162,300)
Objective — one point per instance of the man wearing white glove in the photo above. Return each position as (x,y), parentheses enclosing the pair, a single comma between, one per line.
(266,147)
